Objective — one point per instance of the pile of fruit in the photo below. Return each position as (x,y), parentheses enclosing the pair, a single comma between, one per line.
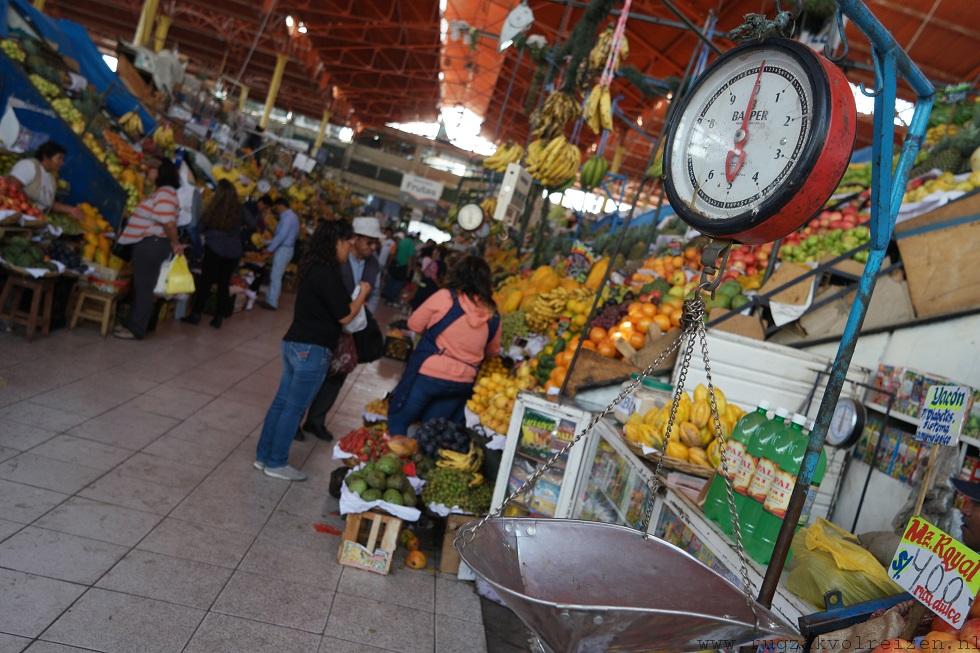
(13,50)
(942,636)
(95,147)
(452,488)
(692,437)
(67,255)
(553,162)
(920,189)
(97,243)
(547,307)
(163,137)
(48,89)
(470,462)
(12,198)
(22,253)
(832,243)
(132,124)
(506,154)
(68,225)
(70,114)
(383,480)
(377,407)
(442,433)
(127,155)
(494,395)
(856,178)
(365,444)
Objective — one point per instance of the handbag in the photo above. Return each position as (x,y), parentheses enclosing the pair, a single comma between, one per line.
(344,356)
(369,341)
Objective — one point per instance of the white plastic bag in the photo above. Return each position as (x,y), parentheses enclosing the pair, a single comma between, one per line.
(161,288)
(359,323)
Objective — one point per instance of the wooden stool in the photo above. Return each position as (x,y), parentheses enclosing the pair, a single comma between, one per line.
(103,309)
(357,549)
(42,296)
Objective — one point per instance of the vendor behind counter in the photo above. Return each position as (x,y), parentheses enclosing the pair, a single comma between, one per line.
(38,178)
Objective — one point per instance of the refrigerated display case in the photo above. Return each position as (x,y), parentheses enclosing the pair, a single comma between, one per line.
(538,430)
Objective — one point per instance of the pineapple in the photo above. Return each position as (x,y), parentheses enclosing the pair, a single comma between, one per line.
(947,160)
(967,140)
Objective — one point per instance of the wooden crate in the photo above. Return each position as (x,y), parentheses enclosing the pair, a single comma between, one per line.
(942,274)
(369,541)
(449,560)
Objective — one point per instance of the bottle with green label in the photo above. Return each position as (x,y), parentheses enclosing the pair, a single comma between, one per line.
(790,448)
(760,452)
(734,455)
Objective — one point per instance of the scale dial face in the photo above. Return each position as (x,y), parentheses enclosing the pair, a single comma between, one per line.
(470,217)
(847,423)
(751,136)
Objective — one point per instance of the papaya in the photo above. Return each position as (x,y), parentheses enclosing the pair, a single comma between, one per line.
(700,412)
(676,450)
(707,435)
(511,302)
(721,401)
(690,435)
(596,274)
(714,454)
(698,456)
(701,393)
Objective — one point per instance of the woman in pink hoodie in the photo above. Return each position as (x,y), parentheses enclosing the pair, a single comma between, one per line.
(459,327)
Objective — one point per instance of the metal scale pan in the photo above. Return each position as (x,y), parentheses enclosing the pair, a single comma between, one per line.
(587,587)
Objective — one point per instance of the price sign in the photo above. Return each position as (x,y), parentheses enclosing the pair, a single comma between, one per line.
(939,571)
(941,419)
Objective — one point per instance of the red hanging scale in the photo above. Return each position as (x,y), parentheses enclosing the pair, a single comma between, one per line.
(760,142)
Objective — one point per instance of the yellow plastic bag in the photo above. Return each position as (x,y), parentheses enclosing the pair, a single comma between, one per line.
(826,558)
(180,281)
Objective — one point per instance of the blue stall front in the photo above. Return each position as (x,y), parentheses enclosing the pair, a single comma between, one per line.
(89,180)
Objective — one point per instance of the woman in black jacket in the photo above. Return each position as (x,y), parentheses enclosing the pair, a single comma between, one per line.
(221,225)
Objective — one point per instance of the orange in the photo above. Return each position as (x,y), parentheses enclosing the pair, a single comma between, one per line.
(607,349)
(588,344)
(678,261)
(626,328)
(649,310)
(643,324)
(565,358)
(675,318)
(558,374)
(637,340)
(597,334)
(662,321)
(636,308)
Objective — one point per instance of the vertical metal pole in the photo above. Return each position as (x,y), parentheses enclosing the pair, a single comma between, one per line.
(886,194)
(871,464)
(274,83)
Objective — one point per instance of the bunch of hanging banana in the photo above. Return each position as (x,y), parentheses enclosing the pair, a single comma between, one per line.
(554,162)
(489,206)
(550,119)
(471,461)
(545,308)
(598,108)
(600,51)
(593,171)
(131,124)
(506,154)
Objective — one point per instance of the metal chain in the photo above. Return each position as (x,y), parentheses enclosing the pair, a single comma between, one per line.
(723,442)
(466,534)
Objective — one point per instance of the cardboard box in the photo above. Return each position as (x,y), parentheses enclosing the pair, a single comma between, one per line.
(890,304)
(749,326)
(449,560)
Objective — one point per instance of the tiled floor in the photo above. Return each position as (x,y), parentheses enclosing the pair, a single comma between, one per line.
(131,518)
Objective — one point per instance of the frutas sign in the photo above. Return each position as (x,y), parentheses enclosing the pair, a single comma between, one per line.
(941,418)
(938,570)
(422,189)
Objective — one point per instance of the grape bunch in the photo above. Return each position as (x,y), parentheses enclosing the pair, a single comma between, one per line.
(610,315)
(512,326)
(64,253)
(442,433)
(451,487)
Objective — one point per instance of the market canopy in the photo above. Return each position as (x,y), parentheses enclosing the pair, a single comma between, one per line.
(376,61)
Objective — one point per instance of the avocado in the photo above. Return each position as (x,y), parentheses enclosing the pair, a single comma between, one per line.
(739,301)
(368,468)
(371,495)
(409,498)
(357,486)
(393,497)
(375,480)
(397,482)
(389,464)
(729,289)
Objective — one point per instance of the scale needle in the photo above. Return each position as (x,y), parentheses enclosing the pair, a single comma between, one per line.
(736,157)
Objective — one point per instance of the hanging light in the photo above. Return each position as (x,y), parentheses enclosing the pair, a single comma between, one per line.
(518,21)
(290,21)
(302,28)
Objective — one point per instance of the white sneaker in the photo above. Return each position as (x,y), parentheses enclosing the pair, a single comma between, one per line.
(286,473)
(259,465)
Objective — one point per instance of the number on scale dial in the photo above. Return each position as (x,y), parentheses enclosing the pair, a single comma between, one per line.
(751,134)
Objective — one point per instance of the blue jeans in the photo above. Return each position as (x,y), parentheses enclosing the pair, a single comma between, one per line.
(304,367)
(280,259)
(431,398)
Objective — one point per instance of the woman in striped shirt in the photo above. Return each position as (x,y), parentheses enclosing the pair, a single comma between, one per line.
(152,231)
